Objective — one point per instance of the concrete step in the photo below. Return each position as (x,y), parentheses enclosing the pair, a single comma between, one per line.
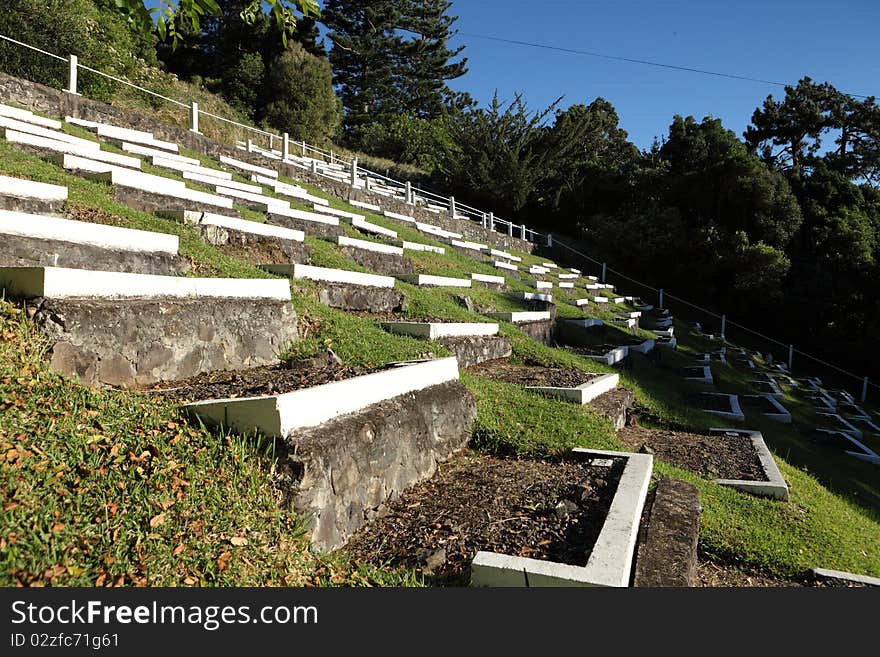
(372,229)
(27,116)
(37,240)
(247,167)
(417,246)
(21,195)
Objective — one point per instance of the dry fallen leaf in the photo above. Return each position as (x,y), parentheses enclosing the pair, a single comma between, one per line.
(238,541)
(155,521)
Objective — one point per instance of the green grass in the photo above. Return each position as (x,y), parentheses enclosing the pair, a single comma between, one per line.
(68,433)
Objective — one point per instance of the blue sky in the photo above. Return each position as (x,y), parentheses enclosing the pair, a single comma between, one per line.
(779,40)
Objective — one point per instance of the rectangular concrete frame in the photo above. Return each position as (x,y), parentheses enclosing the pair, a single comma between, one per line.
(583,393)
(846,426)
(426,280)
(522,316)
(160,186)
(735,412)
(345,214)
(250,168)
(45,133)
(600,299)
(435,330)
(365,206)
(234,223)
(367,227)
(543,285)
(613,356)
(550,265)
(865,453)
(643,348)
(279,415)
(486,278)
(565,286)
(782,416)
(22,188)
(265,203)
(775,485)
(293,191)
(304,215)
(568,276)
(471,246)
(342,240)
(326,275)
(29,117)
(418,246)
(146,151)
(430,229)
(84,232)
(175,164)
(66,148)
(825,573)
(706,378)
(400,217)
(496,253)
(65,283)
(211,180)
(611,559)
(532,296)
(505,265)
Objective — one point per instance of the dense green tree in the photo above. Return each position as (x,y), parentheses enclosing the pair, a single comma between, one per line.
(425,62)
(302,100)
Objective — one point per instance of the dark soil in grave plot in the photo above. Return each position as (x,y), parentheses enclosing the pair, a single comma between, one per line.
(598,350)
(532,375)
(713,402)
(718,457)
(255,382)
(717,574)
(758,403)
(763,387)
(535,509)
(693,372)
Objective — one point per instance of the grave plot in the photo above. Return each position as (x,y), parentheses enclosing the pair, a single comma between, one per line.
(470,342)
(537,324)
(744,362)
(150,193)
(124,329)
(698,374)
(837,422)
(380,258)
(720,404)
(29,117)
(666,341)
(767,406)
(774,486)
(119,134)
(865,425)
(247,240)
(20,195)
(641,346)
(568,384)
(580,332)
(608,354)
(347,290)
(767,387)
(852,410)
(841,441)
(37,240)
(496,283)
(347,446)
(558,518)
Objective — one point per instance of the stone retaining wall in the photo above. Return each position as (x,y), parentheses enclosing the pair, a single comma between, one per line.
(339,474)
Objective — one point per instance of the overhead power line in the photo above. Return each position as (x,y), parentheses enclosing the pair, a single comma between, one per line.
(631,60)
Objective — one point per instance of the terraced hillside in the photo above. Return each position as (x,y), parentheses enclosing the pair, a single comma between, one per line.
(225,367)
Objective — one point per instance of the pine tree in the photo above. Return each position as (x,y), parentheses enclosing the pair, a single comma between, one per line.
(364,57)
(425,62)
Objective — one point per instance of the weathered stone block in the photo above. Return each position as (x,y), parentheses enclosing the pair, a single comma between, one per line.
(32,205)
(256,249)
(471,350)
(380,263)
(540,331)
(132,342)
(361,298)
(667,555)
(340,473)
(21,251)
(314,228)
(149,202)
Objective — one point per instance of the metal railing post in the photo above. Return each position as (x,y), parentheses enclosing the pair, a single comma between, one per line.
(452,212)
(524,233)
(72,74)
(250,145)
(549,240)
(604,271)
(492,221)
(304,149)
(194,117)
(723,326)
(790,356)
(315,167)
(354,173)
(865,390)
(285,147)
(661,298)
(409,194)
(510,229)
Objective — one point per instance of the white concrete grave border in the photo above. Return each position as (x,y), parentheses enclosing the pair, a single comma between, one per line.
(775,485)
(865,453)
(234,223)
(280,415)
(826,573)
(325,275)
(66,283)
(522,316)
(250,168)
(583,393)
(26,116)
(612,356)
(426,280)
(83,232)
(611,558)
(23,188)
(735,412)
(487,278)
(781,415)
(94,155)
(364,245)
(435,330)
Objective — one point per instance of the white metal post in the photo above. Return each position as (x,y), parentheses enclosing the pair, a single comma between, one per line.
(510,229)
(492,221)
(452,212)
(790,356)
(285,147)
(354,172)
(73,71)
(604,271)
(194,118)
(549,239)
(865,390)
(304,149)
(661,298)
(484,219)
(723,326)
(250,145)
(523,231)
(409,194)
(315,167)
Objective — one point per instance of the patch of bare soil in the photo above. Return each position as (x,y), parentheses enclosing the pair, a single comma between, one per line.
(531,375)
(535,509)
(721,457)
(255,382)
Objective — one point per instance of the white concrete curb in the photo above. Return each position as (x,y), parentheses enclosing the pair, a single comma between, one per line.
(434,330)
(342,240)
(22,188)
(522,317)
(611,558)
(425,280)
(280,415)
(250,168)
(65,283)
(775,485)
(326,275)
(583,393)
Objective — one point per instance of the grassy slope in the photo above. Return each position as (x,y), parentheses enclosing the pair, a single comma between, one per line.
(817,527)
